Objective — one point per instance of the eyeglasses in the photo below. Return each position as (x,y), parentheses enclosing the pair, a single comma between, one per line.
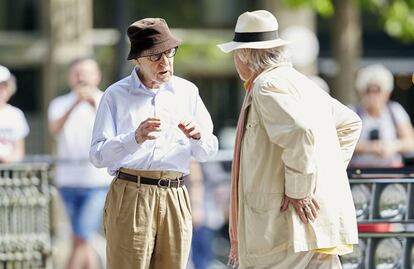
(372,90)
(169,53)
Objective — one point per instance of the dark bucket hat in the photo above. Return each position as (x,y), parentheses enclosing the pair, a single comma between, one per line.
(150,36)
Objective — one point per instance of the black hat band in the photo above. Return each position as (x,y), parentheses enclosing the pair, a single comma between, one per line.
(255,36)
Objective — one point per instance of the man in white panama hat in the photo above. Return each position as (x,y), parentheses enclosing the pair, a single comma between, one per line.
(292,207)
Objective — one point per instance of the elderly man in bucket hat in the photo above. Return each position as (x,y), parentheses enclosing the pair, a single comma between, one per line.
(292,207)
(147,128)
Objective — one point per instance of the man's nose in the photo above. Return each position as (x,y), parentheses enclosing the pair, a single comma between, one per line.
(82,78)
(164,59)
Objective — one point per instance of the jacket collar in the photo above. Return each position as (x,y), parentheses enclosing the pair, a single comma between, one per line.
(271,68)
(251,84)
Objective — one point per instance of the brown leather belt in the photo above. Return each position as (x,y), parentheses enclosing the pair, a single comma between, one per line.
(162,182)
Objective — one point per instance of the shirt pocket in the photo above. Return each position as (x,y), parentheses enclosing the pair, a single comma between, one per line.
(266,227)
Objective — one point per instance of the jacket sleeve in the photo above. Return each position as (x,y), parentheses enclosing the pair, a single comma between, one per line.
(348,128)
(286,126)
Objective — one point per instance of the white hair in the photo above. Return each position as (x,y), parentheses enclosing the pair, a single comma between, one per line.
(261,59)
(375,74)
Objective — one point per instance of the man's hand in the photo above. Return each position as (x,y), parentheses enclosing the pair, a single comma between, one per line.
(190,129)
(383,149)
(85,93)
(145,130)
(307,208)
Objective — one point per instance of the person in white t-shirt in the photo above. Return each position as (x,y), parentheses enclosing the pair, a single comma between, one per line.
(82,186)
(387,131)
(13,124)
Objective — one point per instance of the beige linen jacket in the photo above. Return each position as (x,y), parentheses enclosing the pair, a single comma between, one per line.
(297,141)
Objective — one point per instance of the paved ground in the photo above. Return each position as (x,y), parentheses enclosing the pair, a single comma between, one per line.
(61,236)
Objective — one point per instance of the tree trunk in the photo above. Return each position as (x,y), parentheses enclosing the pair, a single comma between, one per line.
(346,47)
(67,24)
(299,17)
(121,15)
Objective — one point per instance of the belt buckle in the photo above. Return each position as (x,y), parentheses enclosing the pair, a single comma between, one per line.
(163,186)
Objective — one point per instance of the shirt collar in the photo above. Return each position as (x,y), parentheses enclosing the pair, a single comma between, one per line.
(138,86)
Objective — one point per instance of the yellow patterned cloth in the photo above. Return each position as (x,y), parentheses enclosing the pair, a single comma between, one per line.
(339,250)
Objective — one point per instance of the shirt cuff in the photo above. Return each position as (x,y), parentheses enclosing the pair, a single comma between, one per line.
(195,142)
(299,186)
(129,143)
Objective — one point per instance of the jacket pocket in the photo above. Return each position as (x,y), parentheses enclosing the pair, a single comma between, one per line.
(251,125)
(266,227)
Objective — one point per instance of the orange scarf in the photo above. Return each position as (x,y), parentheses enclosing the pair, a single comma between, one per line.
(235,169)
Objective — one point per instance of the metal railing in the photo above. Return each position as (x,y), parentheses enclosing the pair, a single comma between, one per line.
(383,200)
(25,234)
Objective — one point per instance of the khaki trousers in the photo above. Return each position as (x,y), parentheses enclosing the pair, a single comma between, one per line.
(146,226)
(305,260)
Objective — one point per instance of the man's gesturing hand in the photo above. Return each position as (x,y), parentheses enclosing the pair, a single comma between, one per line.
(190,129)
(307,208)
(145,130)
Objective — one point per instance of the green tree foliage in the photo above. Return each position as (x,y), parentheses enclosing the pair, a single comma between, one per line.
(178,13)
(323,7)
(397,16)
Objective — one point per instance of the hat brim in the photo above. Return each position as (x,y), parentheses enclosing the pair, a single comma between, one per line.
(172,42)
(230,46)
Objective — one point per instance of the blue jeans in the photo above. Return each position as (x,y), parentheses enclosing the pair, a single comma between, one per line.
(84,207)
(202,251)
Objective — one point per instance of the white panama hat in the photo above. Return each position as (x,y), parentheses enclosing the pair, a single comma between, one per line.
(4,73)
(255,30)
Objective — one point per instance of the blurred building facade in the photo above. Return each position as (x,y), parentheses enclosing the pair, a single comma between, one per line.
(38,38)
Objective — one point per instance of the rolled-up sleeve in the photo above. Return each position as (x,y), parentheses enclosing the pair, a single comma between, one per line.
(285,124)
(207,146)
(107,148)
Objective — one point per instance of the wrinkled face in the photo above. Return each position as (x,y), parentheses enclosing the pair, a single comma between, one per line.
(242,67)
(158,69)
(373,97)
(5,92)
(84,73)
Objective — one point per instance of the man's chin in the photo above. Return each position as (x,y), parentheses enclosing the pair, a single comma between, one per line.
(164,78)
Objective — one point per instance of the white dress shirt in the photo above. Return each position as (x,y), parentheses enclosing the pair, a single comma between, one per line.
(127,103)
